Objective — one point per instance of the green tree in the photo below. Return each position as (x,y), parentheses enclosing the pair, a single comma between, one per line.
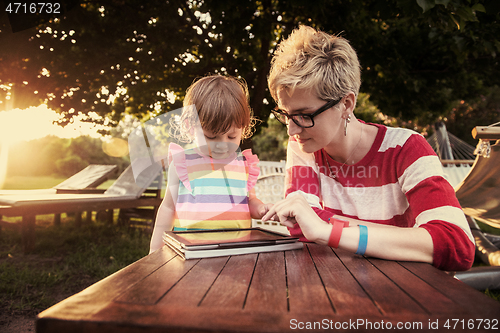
(36,157)
(271,143)
(70,165)
(482,111)
(52,155)
(418,57)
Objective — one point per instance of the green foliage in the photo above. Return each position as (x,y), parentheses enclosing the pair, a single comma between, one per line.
(67,260)
(112,58)
(31,182)
(416,64)
(370,113)
(70,165)
(495,294)
(36,157)
(270,144)
(487,228)
(366,110)
(481,111)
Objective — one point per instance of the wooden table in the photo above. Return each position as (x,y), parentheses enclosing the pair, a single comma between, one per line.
(315,287)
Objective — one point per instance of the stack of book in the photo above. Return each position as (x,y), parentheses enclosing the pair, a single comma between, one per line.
(227,242)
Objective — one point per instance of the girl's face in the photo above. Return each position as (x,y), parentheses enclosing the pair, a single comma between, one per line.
(220,146)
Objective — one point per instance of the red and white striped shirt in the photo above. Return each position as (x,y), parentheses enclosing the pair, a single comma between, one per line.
(399,182)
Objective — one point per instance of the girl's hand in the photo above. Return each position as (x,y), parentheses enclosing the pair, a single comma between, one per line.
(295,209)
(263,209)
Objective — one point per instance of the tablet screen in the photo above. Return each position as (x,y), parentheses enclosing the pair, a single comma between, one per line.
(226,236)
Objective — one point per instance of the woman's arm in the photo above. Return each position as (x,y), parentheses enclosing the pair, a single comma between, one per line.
(385,242)
(166,213)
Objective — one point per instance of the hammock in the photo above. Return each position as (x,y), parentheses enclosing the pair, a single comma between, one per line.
(448,147)
(479,196)
(457,156)
(479,192)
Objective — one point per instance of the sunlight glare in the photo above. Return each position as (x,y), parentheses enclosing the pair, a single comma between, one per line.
(4,149)
(34,123)
(37,122)
(115,147)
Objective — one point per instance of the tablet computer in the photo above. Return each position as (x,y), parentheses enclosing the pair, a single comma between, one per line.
(225,238)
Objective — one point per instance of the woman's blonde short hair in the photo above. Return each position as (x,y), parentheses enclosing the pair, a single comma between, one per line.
(221,102)
(315,60)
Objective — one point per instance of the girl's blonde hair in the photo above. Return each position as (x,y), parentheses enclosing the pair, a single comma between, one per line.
(220,102)
(314,60)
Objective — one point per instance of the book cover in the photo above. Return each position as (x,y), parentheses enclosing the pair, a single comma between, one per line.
(215,243)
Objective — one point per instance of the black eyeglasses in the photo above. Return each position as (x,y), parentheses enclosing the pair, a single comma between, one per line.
(302,120)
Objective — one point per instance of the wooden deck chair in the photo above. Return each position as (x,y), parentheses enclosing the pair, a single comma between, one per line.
(270,188)
(87,180)
(271,168)
(479,192)
(126,192)
(84,181)
(479,196)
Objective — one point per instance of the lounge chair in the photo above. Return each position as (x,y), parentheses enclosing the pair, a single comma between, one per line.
(270,188)
(272,168)
(85,181)
(479,192)
(126,192)
(479,196)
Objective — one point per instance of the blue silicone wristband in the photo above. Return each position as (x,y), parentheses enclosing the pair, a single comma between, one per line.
(363,239)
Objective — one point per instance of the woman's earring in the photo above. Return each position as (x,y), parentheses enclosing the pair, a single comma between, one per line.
(347,121)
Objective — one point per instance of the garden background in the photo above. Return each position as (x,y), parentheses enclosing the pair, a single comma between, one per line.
(118,63)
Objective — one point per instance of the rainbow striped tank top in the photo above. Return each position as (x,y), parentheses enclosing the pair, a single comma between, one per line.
(213,193)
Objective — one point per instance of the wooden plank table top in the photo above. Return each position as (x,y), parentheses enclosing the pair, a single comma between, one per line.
(315,289)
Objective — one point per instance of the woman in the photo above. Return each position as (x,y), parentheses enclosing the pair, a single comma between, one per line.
(386,182)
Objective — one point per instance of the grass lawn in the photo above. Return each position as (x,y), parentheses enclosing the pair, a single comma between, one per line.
(495,294)
(38,182)
(26,183)
(65,261)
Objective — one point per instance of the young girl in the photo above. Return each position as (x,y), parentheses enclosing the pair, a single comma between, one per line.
(210,182)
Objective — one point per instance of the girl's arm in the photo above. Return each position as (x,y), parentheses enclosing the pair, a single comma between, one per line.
(385,242)
(256,206)
(166,213)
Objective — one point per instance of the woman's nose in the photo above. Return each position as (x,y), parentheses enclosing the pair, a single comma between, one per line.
(293,128)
